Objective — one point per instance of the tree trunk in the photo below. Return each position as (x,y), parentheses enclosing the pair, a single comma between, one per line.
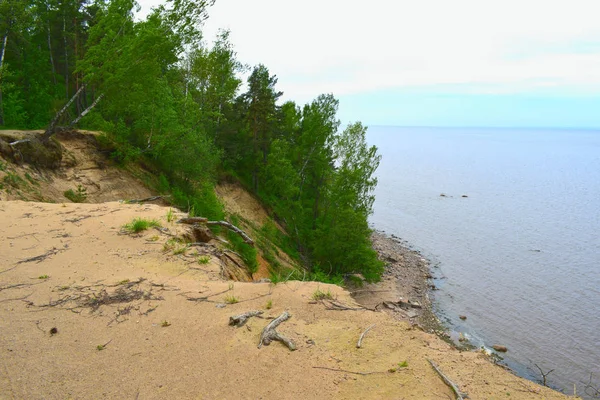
(87,110)
(1,66)
(50,130)
(66,54)
(50,46)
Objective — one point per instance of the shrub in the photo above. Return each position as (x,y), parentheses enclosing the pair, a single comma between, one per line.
(78,196)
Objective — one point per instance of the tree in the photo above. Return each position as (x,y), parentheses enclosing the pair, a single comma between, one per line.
(261,101)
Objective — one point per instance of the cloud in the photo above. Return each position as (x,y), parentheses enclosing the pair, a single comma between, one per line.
(350,47)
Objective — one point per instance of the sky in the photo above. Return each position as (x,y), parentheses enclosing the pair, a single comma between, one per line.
(525,63)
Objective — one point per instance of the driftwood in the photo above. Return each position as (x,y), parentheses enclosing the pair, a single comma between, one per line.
(269,333)
(363,335)
(447,381)
(240,320)
(231,227)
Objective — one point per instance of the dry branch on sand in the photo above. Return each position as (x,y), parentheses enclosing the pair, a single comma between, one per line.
(76,299)
(240,320)
(269,333)
(352,372)
(359,343)
(459,395)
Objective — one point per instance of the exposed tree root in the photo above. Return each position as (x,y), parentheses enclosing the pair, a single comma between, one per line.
(269,333)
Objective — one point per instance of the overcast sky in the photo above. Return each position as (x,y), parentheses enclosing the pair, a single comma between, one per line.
(427,62)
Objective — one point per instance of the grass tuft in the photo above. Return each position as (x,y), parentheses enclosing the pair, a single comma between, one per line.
(231,299)
(140,224)
(320,295)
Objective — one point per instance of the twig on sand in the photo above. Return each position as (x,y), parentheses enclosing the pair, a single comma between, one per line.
(352,372)
(363,335)
(269,333)
(459,395)
(41,257)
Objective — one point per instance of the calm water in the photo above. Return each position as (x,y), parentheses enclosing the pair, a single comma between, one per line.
(520,256)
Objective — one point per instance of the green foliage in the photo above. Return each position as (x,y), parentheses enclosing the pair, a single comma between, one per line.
(403,364)
(140,224)
(76,196)
(14,180)
(44,277)
(269,304)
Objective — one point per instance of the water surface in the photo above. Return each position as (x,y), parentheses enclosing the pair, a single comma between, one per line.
(520,256)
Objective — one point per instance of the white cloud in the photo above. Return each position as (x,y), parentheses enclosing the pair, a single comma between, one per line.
(347,47)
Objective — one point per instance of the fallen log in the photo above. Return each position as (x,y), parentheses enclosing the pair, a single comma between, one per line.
(240,320)
(269,333)
(459,395)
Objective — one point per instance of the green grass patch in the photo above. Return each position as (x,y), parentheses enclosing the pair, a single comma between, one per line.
(140,224)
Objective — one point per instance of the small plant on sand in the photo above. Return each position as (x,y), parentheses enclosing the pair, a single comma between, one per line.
(170,215)
(164,324)
(43,277)
(76,196)
(203,260)
(269,304)
(123,282)
(153,238)
(403,364)
(320,295)
(231,299)
(180,248)
(140,224)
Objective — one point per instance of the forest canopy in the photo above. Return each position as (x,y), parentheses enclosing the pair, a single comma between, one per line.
(162,95)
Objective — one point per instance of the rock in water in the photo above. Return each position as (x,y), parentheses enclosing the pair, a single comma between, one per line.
(501,349)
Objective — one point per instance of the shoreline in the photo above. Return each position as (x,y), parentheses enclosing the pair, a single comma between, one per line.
(404,289)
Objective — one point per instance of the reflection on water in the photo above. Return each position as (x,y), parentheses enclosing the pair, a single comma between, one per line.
(520,254)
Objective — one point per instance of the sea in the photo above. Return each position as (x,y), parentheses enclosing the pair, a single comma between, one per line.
(510,219)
